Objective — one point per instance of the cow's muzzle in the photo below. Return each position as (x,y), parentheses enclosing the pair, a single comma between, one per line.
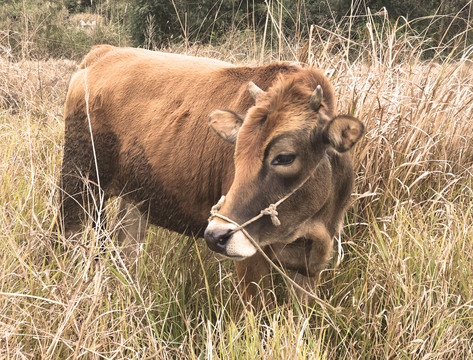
(220,238)
(217,238)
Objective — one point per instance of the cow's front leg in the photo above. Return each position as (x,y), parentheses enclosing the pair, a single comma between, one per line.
(253,276)
(309,286)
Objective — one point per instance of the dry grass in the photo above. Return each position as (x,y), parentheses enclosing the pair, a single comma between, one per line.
(403,290)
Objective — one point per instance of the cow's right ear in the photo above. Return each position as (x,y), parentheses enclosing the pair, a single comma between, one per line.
(343,132)
(226,124)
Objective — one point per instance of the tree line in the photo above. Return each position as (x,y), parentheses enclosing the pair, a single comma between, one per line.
(47,28)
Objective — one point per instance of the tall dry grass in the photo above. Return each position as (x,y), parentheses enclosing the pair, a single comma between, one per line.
(404,288)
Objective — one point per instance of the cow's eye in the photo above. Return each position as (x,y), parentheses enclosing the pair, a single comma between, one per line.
(283,159)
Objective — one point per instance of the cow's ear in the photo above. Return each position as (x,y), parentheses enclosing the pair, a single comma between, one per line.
(343,132)
(226,124)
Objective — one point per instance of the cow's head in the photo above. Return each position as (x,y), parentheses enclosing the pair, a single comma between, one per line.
(279,142)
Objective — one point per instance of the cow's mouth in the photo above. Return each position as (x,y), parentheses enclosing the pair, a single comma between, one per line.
(221,239)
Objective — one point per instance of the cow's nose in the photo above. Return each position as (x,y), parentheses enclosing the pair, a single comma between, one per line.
(217,238)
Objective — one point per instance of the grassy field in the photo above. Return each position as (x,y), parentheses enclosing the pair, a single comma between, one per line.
(403,288)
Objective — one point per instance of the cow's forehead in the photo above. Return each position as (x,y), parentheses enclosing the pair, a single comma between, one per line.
(284,108)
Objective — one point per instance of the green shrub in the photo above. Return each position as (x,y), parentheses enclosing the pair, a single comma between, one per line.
(157,23)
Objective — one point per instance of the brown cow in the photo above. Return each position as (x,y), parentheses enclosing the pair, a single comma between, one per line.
(148,114)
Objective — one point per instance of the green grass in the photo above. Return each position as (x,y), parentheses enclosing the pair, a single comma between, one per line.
(403,290)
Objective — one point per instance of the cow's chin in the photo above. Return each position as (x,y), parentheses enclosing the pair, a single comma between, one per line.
(239,247)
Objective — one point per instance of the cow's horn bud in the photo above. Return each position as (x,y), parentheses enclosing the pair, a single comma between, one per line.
(316,98)
(254,90)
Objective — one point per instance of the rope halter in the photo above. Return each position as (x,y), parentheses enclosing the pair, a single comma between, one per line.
(271,210)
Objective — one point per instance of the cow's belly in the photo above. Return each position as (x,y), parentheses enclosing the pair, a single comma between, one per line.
(163,209)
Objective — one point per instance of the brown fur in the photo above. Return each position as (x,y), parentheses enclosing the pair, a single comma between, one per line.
(149,117)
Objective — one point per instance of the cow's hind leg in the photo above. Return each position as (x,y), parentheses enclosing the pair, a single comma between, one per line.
(132,230)
(81,199)
(81,189)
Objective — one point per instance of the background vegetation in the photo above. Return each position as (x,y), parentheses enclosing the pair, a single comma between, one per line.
(45,29)
(403,288)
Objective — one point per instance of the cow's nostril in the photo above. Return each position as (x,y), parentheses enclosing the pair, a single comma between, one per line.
(223,239)
(217,239)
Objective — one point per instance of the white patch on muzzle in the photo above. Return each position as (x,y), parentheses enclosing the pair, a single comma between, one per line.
(238,246)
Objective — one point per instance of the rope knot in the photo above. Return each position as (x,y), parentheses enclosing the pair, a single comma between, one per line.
(272,212)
